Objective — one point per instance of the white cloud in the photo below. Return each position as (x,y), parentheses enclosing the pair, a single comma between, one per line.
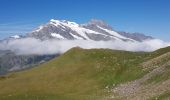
(35,46)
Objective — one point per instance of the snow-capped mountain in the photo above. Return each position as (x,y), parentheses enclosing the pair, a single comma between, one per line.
(96,30)
(19,52)
(15,36)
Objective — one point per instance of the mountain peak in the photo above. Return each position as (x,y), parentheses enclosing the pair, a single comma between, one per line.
(65,22)
(96,30)
(97,21)
(53,20)
(100,23)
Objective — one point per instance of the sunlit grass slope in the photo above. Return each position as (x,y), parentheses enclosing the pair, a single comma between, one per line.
(79,74)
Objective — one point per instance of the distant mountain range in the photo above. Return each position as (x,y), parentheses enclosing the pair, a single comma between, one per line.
(9,61)
(95,30)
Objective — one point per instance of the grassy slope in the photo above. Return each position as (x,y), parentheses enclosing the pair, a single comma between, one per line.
(76,75)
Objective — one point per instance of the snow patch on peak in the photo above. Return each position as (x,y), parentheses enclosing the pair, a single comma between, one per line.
(15,36)
(55,22)
(113,33)
(72,24)
(57,36)
(76,37)
(39,28)
(58,22)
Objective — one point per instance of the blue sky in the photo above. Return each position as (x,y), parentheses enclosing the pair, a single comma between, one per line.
(151,17)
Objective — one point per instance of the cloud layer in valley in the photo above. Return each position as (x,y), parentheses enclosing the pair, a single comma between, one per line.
(34,46)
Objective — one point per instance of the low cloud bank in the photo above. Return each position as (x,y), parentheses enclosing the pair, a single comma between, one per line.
(28,46)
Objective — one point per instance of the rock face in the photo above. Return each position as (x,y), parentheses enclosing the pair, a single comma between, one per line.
(96,30)
(9,61)
(136,36)
(92,24)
